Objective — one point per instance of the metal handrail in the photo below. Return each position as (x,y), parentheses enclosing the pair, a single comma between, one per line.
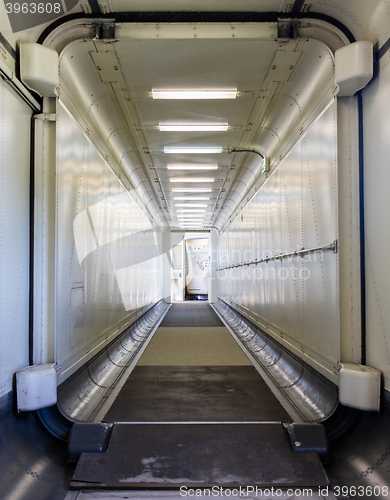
(304,251)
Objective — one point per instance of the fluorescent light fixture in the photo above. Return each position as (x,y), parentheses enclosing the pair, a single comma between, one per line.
(192,179)
(192,190)
(217,127)
(190,220)
(191,210)
(194,94)
(193,205)
(189,150)
(191,198)
(192,167)
(189,215)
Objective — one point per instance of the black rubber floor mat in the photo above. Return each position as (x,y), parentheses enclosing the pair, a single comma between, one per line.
(195,394)
(200,455)
(191,314)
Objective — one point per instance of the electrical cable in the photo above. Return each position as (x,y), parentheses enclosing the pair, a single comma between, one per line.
(245,151)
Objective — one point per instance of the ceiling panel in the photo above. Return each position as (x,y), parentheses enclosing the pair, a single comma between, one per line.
(116,97)
(195,5)
(194,64)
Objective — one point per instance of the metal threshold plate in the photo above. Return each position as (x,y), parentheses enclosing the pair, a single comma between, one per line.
(198,455)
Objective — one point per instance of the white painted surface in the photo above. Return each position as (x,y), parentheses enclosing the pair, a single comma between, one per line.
(36,387)
(39,68)
(360,387)
(353,67)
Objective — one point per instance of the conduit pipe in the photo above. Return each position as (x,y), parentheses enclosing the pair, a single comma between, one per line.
(85,395)
(113,132)
(291,106)
(245,180)
(306,394)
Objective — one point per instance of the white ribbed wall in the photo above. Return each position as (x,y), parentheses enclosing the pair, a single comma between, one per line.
(109,256)
(377,218)
(294,299)
(15,118)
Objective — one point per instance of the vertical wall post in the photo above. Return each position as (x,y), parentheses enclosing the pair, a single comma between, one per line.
(167,266)
(213,261)
(349,230)
(43,348)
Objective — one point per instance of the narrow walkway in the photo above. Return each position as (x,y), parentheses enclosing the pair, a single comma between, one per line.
(194,374)
(191,334)
(195,412)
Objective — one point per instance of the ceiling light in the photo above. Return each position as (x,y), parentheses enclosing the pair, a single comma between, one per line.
(191,198)
(192,179)
(192,167)
(192,190)
(218,127)
(197,205)
(187,215)
(190,220)
(178,150)
(194,94)
(191,210)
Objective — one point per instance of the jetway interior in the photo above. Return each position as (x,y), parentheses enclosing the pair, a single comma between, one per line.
(257,182)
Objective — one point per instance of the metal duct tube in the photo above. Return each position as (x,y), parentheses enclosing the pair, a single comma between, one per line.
(305,393)
(82,397)
(240,188)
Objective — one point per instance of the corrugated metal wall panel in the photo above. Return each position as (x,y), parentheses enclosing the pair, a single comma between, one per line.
(15,117)
(296,298)
(108,253)
(377,215)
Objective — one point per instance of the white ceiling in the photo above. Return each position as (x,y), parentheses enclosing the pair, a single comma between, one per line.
(111,84)
(194,64)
